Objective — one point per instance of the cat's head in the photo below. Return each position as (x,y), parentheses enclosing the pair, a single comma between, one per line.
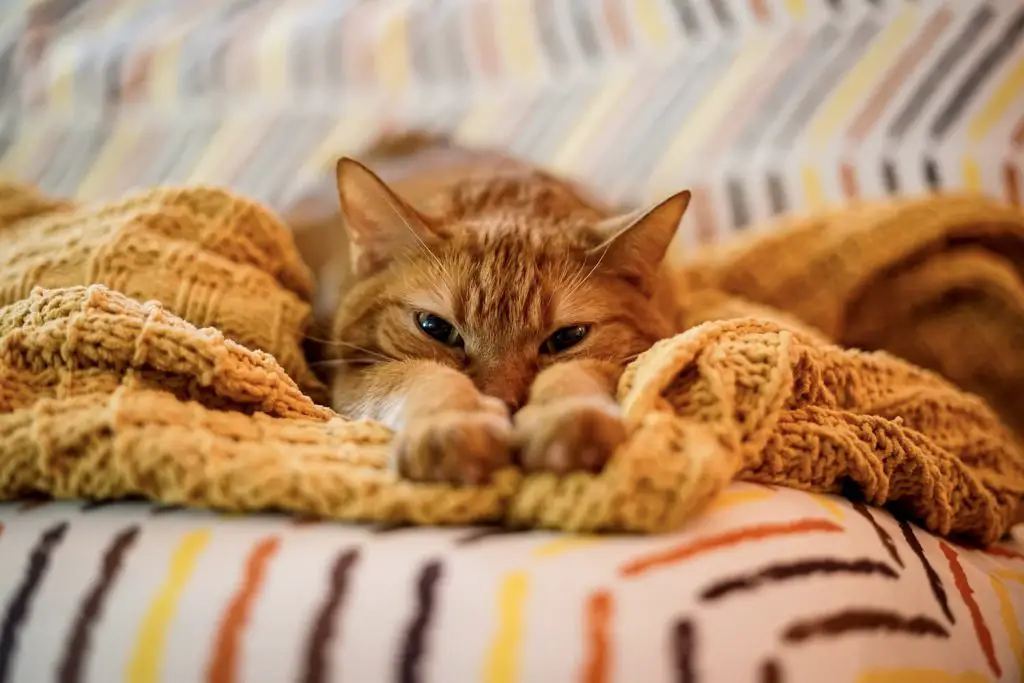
(501,287)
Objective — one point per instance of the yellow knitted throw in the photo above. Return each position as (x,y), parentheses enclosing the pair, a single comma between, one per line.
(105,396)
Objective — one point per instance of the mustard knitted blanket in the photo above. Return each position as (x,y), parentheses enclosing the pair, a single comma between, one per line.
(105,393)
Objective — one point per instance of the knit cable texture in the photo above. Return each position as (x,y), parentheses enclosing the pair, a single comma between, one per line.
(105,393)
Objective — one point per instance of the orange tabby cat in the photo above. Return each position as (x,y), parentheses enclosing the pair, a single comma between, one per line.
(488,310)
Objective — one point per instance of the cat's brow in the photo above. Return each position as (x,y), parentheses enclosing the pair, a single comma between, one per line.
(578,310)
(565,306)
(438,302)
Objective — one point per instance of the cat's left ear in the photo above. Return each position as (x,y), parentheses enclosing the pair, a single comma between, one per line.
(633,246)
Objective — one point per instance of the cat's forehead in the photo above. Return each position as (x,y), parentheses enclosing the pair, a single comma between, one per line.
(518,230)
(503,283)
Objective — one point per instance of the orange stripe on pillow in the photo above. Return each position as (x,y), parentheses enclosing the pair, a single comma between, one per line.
(921,676)
(1017,136)
(967,593)
(687,551)
(597,621)
(848,179)
(1012,179)
(224,665)
(1000,551)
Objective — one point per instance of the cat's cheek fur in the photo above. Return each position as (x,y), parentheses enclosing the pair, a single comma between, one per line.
(391,412)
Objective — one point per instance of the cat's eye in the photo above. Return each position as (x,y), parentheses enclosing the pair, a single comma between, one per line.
(438,329)
(564,338)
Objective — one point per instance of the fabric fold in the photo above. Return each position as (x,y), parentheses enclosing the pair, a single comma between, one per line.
(937,280)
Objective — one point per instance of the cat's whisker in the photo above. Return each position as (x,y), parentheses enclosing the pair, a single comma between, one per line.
(421,268)
(572,282)
(338,362)
(559,278)
(354,347)
(318,340)
(592,271)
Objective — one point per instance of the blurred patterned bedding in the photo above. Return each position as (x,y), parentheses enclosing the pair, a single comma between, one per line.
(760,106)
(773,585)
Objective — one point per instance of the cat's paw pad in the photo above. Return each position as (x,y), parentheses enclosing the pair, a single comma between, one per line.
(455,447)
(567,435)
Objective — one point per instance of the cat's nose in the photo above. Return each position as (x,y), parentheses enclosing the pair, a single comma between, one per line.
(512,394)
(511,400)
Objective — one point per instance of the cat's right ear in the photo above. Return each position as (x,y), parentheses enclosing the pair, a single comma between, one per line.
(380,225)
(633,245)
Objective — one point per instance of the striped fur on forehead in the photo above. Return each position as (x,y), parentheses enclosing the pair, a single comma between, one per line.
(511,276)
(517,191)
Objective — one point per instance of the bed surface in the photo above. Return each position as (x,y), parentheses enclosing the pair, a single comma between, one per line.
(772,585)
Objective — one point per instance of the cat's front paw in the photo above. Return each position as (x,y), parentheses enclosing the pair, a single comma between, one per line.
(456,447)
(578,433)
